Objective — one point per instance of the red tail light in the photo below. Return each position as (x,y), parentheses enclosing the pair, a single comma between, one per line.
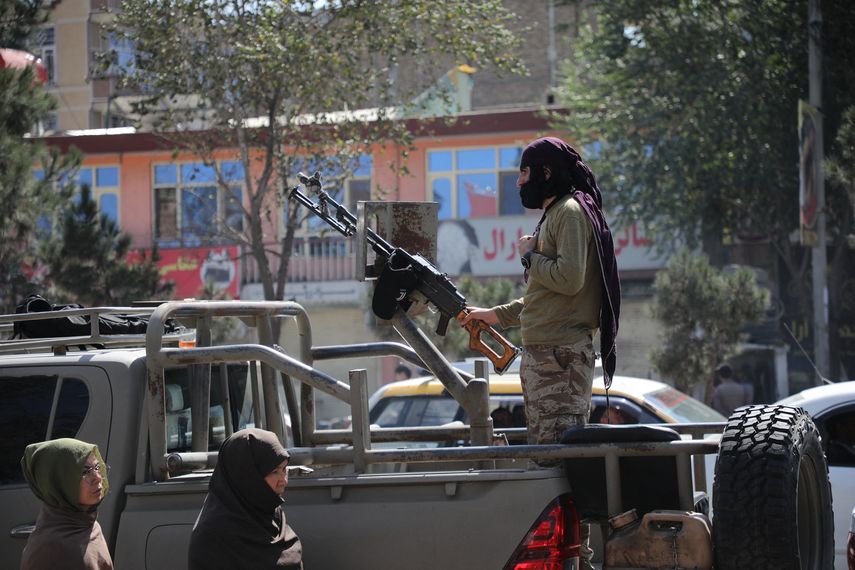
(850,550)
(553,541)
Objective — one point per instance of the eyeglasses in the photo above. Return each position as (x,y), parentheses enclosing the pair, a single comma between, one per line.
(90,471)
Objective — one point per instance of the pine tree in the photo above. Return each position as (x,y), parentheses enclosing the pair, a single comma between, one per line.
(24,198)
(88,259)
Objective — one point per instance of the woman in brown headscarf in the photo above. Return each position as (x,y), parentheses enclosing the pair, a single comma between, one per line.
(242,524)
(70,478)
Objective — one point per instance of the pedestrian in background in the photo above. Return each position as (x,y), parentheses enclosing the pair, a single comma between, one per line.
(729,394)
(403,372)
(69,477)
(747,381)
(242,525)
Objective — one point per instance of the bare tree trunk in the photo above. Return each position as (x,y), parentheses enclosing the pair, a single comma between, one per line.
(259,253)
(287,247)
(285,254)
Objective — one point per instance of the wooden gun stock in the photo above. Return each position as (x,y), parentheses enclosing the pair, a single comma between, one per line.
(500,361)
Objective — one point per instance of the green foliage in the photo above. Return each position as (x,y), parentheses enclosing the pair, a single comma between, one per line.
(695,104)
(455,344)
(278,81)
(689,100)
(88,260)
(23,198)
(841,166)
(18,19)
(702,311)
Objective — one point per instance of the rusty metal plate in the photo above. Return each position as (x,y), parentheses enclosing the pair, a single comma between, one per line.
(409,225)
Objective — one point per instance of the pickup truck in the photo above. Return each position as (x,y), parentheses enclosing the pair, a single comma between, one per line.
(158,407)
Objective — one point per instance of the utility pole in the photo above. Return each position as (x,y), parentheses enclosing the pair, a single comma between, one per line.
(551,53)
(819,262)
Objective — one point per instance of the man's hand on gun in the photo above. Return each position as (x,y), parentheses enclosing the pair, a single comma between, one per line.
(475,313)
(477,321)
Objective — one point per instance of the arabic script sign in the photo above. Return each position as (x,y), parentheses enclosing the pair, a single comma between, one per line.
(488,246)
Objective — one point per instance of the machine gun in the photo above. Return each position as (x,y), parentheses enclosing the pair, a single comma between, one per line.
(406,277)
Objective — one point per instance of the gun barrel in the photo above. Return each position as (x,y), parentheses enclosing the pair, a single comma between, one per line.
(343,229)
(432,284)
(344,222)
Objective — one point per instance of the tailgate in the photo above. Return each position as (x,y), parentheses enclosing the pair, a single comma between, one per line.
(449,520)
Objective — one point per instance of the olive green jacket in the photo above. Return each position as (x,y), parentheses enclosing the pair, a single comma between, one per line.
(562,300)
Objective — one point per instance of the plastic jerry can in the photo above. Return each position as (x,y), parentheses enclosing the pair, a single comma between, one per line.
(660,539)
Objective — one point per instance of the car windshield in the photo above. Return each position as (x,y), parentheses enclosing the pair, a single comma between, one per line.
(682,407)
(414,411)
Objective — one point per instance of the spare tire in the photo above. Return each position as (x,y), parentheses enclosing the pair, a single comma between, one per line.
(771,494)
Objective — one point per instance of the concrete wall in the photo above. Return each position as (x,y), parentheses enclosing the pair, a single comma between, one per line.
(72,91)
(497,90)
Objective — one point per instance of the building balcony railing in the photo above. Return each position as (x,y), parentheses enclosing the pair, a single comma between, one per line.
(312,259)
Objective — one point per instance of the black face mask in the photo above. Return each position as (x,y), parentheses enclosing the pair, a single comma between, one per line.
(532,195)
(538,188)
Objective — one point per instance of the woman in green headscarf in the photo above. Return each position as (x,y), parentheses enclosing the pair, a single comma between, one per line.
(70,478)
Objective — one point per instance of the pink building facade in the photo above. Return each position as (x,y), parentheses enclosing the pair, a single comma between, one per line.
(468,167)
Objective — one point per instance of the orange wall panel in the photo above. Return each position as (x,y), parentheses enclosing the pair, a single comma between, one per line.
(135,201)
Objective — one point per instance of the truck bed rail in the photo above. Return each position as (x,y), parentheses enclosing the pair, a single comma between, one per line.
(60,343)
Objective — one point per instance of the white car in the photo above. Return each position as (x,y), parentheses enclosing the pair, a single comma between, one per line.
(850,548)
(832,408)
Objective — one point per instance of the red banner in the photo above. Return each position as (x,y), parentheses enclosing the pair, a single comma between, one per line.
(190,268)
(808,166)
(16,59)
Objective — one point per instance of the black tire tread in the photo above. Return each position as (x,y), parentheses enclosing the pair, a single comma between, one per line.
(755,490)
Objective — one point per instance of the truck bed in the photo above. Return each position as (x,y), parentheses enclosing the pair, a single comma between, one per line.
(364,521)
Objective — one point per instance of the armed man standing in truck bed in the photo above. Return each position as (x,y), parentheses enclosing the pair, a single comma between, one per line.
(572,290)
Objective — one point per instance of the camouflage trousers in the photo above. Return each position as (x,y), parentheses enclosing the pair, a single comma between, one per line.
(556,382)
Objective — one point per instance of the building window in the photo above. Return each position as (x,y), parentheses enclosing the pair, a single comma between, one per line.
(357,188)
(125,55)
(44,47)
(354,188)
(103,181)
(475,182)
(50,124)
(192,205)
